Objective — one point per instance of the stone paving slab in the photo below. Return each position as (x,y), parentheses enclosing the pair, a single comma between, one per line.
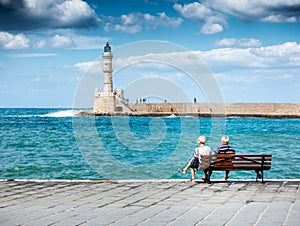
(161,202)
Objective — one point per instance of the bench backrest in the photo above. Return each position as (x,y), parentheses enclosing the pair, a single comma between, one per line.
(243,160)
(224,159)
(251,160)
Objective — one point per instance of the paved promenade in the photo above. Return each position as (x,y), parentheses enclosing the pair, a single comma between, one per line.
(171,202)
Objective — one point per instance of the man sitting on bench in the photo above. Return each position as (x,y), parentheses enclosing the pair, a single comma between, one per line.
(225,148)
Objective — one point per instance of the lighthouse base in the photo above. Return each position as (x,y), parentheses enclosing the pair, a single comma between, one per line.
(109,103)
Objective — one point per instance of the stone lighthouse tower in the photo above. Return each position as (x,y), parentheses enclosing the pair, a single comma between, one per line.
(109,101)
(107,69)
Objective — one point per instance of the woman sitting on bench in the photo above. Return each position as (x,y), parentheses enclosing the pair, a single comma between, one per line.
(198,162)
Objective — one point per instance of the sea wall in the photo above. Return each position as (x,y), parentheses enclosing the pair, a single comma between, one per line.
(271,110)
(216,109)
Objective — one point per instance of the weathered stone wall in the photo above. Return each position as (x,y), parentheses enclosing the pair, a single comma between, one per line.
(263,108)
(227,109)
(104,103)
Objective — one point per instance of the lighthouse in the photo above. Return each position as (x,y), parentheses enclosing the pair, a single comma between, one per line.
(107,69)
(109,101)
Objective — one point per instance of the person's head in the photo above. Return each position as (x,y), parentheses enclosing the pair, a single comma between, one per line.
(202,140)
(225,140)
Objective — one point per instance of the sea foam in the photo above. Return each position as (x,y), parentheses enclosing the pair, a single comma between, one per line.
(65,113)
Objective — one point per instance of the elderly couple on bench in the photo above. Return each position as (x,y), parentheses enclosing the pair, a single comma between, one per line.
(200,163)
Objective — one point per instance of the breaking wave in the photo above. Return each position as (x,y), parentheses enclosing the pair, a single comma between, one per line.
(65,113)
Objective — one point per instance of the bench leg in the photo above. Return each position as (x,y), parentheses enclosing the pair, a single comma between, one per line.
(259,175)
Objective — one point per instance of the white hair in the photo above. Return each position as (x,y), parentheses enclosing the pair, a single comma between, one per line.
(202,139)
(225,139)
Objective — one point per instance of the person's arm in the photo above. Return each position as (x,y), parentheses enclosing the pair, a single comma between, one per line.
(196,153)
(215,152)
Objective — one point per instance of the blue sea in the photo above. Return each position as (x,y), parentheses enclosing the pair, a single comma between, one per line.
(53,144)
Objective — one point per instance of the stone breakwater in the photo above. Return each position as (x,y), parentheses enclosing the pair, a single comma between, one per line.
(270,110)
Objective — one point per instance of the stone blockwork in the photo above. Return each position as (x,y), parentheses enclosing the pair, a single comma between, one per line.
(272,110)
(156,202)
(214,109)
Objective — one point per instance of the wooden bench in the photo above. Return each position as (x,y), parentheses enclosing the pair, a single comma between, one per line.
(256,162)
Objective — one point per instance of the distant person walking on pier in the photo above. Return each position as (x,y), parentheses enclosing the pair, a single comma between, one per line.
(225,148)
(200,160)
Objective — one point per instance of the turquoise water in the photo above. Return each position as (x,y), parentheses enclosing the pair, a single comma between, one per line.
(51,144)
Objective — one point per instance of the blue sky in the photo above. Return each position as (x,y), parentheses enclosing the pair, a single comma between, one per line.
(251,48)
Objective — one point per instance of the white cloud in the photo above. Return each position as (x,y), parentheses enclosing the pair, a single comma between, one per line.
(31,14)
(284,55)
(66,39)
(131,23)
(60,41)
(234,77)
(262,76)
(136,22)
(29,55)
(214,22)
(211,28)
(212,13)
(280,19)
(132,18)
(84,66)
(90,67)
(40,44)
(259,10)
(231,57)
(162,20)
(195,11)
(10,41)
(70,12)
(243,43)
(226,42)
(129,29)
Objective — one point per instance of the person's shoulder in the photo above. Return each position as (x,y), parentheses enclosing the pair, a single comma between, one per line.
(222,147)
(231,148)
(225,148)
(206,149)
